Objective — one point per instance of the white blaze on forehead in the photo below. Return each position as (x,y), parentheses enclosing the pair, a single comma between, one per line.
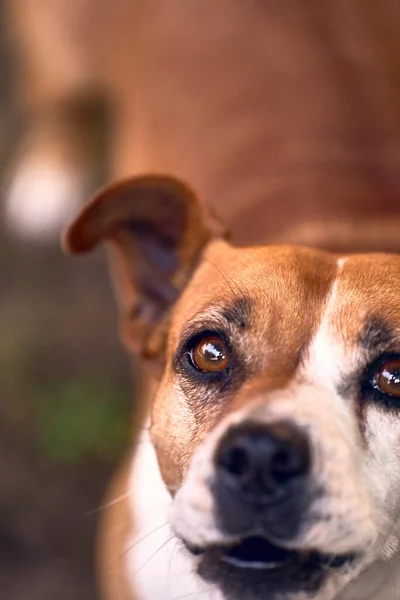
(325,351)
(341,262)
(333,352)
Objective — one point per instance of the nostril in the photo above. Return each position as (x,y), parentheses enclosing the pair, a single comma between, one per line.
(286,464)
(235,460)
(291,457)
(281,465)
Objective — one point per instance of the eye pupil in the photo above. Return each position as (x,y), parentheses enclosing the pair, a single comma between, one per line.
(388,379)
(210,354)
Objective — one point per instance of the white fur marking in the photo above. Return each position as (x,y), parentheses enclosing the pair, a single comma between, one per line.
(324,352)
(341,262)
(158,567)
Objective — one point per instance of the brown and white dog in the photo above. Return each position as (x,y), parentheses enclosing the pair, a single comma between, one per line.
(274,464)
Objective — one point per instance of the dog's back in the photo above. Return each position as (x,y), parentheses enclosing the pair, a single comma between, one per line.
(292,110)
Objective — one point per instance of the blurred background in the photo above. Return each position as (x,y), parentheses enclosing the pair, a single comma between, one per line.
(64,399)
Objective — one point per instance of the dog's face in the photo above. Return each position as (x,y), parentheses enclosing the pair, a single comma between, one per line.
(277,416)
(278,419)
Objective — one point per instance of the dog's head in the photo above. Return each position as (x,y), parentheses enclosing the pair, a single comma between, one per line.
(276,420)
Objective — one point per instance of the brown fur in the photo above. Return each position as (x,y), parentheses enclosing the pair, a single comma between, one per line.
(114,526)
(290,110)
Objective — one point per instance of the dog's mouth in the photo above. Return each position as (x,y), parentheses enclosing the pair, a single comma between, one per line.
(257,553)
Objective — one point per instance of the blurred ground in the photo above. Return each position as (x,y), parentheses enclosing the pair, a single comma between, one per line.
(64,403)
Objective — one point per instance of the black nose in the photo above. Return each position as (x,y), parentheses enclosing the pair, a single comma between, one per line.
(261,461)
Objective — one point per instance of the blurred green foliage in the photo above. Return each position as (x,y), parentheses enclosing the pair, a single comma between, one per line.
(81,419)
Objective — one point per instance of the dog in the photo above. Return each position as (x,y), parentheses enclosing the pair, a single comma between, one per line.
(271,464)
(269,468)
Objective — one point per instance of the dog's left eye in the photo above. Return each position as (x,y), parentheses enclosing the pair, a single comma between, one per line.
(387,379)
(210,354)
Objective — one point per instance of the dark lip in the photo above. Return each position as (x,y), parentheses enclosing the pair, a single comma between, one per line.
(256,553)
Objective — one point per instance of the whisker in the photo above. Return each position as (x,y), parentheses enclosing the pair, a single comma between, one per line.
(144,537)
(170,563)
(123,497)
(190,571)
(174,549)
(192,594)
(154,554)
(229,280)
(109,504)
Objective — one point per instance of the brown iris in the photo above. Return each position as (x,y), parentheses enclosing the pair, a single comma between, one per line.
(210,354)
(388,378)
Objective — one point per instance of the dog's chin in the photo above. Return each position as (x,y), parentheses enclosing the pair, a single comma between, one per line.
(254,565)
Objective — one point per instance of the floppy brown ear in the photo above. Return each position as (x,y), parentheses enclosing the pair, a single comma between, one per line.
(155,231)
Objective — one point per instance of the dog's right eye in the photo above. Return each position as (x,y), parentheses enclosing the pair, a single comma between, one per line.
(210,354)
(207,359)
(387,379)
(382,381)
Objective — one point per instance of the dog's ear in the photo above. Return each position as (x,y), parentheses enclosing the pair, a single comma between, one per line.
(155,231)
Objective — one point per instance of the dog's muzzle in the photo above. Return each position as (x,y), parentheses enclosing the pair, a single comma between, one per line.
(262,488)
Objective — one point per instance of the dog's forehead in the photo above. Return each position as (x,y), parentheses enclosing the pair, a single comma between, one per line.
(271,278)
(366,290)
(296,282)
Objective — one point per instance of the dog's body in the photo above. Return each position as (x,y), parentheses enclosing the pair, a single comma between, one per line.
(247,101)
(287,123)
